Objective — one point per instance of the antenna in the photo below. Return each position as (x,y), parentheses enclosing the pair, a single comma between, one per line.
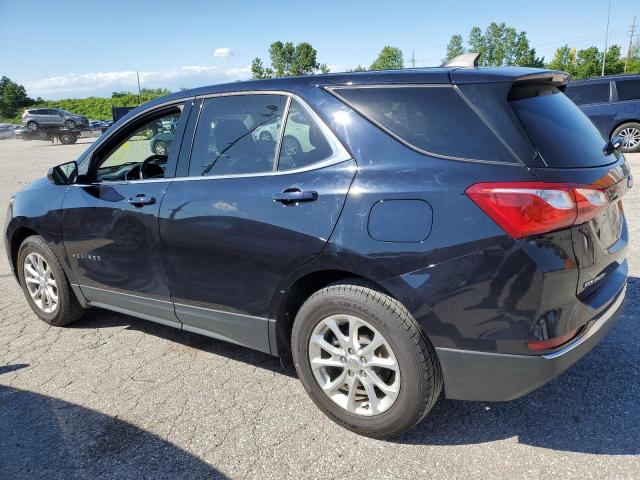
(469,60)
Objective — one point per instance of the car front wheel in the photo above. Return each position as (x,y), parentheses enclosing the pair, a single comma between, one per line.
(630,134)
(32,126)
(70,124)
(160,148)
(364,360)
(44,283)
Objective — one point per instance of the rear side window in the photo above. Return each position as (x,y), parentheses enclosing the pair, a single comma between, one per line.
(433,119)
(628,89)
(588,94)
(557,128)
(237,135)
(306,140)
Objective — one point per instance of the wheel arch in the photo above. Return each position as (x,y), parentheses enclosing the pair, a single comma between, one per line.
(290,298)
(622,122)
(17,237)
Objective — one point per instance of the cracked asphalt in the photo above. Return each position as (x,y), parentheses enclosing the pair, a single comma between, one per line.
(112,396)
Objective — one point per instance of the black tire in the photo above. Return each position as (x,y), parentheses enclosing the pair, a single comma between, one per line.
(634,129)
(68,138)
(32,126)
(419,367)
(70,124)
(266,136)
(68,309)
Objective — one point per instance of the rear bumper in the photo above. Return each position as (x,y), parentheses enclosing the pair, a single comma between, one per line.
(471,375)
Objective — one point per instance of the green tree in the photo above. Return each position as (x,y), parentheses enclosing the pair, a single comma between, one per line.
(499,45)
(455,47)
(287,60)
(13,97)
(390,58)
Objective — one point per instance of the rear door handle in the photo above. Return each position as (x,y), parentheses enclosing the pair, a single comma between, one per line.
(140,200)
(295,195)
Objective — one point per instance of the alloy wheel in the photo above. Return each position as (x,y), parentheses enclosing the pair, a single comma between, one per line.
(41,284)
(354,365)
(630,137)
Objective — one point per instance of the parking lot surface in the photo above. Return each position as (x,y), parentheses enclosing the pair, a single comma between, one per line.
(112,396)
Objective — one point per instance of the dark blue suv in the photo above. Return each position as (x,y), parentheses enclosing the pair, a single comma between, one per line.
(613,104)
(428,233)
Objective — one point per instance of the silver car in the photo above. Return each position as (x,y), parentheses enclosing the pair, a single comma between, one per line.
(35,118)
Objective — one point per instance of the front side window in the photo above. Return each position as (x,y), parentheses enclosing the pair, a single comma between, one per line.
(143,153)
(628,89)
(237,134)
(588,94)
(433,119)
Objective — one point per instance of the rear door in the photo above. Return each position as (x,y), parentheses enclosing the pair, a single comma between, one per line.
(248,213)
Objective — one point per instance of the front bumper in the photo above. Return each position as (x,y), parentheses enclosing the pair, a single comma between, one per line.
(471,375)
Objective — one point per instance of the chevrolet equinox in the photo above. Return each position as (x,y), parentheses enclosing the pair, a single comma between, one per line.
(454,229)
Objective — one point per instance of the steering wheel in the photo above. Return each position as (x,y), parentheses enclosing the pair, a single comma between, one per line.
(145,164)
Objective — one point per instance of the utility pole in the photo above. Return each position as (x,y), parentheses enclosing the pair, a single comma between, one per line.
(139,91)
(626,60)
(606,40)
(413,58)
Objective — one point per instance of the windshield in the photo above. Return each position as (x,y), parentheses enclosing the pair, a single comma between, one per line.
(562,134)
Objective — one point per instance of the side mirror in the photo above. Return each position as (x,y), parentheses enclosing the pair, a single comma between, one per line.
(65,174)
(612,145)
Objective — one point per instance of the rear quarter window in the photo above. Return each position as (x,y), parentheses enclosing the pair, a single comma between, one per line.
(589,94)
(628,89)
(435,120)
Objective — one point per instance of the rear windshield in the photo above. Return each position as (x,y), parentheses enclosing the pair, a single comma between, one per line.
(562,134)
(433,119)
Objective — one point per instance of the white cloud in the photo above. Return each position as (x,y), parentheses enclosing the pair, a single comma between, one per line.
(101,83)
(222,52)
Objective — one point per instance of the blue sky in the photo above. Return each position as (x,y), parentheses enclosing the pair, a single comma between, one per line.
(79,48)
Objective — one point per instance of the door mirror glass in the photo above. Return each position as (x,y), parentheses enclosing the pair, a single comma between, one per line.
(64,174)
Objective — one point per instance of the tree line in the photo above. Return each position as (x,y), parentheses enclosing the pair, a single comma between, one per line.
(502,45)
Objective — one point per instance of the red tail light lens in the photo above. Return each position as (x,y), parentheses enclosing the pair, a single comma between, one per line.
(523,209)
(554,342)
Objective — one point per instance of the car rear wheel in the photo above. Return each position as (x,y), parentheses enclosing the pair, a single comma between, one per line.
(70,124)
(67,138)
(45,285)
(630,134)
(32,126)
(290,146)
(160,148)
(364,360)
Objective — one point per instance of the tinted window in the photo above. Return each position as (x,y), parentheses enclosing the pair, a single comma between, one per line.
(435,119)
(563,135)
(628,89)
(304,141)
(237,135)
(591,93)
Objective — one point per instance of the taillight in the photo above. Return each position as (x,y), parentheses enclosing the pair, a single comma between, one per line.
(523,209)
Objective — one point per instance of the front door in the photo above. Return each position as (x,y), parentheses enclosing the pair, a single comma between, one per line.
(110,224)
(248,215)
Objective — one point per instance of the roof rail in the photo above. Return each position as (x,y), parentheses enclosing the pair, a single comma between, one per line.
(465,60)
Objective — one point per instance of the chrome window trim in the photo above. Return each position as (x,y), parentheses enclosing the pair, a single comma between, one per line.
(331,90)
(339,156)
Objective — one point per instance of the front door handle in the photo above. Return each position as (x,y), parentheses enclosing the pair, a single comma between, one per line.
(294,195)
(140,200)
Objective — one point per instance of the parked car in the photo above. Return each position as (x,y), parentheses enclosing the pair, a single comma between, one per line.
(297,139)
(6,130)
(613,105)
(393,259)
(35,118)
